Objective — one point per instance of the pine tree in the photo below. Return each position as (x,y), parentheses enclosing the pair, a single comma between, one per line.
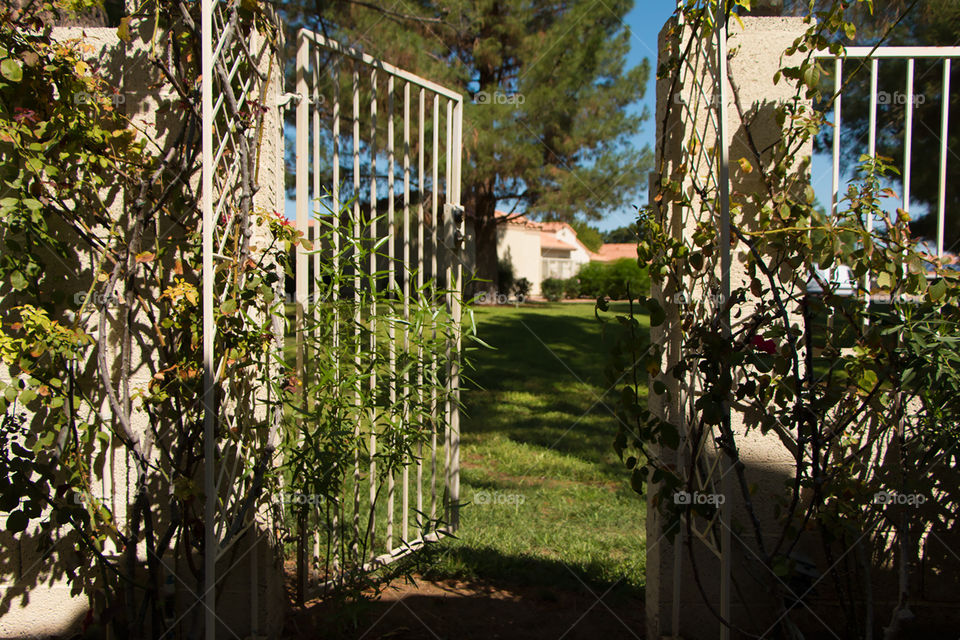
(550,102)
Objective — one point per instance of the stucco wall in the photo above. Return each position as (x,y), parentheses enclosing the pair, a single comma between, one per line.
(521,246)
(35,597)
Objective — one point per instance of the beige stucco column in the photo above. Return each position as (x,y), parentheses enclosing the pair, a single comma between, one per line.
(676,607)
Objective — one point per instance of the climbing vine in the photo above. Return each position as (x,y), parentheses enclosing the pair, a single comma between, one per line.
(859,391)
(100,326)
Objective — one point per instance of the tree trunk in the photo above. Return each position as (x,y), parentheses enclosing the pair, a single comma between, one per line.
(485,227)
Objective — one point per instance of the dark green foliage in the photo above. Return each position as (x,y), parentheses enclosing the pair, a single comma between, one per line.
(505,276)
(552,289)
(571,287)
(521,288)
(613,279)
(621,234)
(590,236)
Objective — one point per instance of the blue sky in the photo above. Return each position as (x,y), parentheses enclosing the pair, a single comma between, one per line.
(644,21)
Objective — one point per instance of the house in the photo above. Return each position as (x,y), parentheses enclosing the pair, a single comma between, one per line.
(540,250)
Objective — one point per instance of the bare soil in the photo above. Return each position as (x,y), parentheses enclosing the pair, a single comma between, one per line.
(458,610)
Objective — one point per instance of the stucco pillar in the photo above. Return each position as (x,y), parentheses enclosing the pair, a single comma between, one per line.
(676,606)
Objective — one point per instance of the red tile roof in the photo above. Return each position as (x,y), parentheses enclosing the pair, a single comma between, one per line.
(513,218)
(549,240)
(616,250)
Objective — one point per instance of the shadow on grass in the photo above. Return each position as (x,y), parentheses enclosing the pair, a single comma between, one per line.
(543,383)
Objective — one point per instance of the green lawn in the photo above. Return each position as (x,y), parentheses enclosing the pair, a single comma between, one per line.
(537,438)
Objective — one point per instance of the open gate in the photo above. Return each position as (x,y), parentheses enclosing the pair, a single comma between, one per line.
(378,152)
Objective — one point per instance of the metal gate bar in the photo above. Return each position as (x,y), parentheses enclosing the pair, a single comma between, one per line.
(319,65)
(890,53)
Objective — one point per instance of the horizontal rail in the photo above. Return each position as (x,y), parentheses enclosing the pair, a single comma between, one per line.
(350,52)
(893,52)
(390,557)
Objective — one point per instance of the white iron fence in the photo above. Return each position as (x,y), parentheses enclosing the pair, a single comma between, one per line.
(908,99)
(378,152)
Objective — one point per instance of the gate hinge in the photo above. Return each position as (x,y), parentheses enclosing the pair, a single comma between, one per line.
(453,213)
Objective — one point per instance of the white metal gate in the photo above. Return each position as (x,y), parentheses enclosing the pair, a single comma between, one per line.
(378,152)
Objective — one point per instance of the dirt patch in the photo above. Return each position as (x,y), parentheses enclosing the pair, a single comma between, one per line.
(457,610)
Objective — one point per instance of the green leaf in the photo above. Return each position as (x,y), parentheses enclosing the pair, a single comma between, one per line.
(937,290)
(229,306)
(123,31)
(17,522)
(11,70)
(18,281)
(669,435)
(884,280)
(636,480)
(657,314)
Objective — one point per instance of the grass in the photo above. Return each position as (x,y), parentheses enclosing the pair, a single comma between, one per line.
(537,437)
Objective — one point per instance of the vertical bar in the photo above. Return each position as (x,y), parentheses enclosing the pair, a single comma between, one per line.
(421,220)
(457,312)
(300,271)
(448,349)
(908,141)
(433,273)
(872,141)
(726,486)
(837,106)
(406,296)
(391,327)
(373,306)
(335,293)
(944,132)
(356,306)
(209,395)
(874,76)
(314,225)
(302,187)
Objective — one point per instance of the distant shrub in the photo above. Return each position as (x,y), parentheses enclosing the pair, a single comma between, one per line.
(552,289)
(505,277)
(571,287)
(611,279)
(521,288)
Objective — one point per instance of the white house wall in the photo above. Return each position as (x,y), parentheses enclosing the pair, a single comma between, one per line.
(521,246)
